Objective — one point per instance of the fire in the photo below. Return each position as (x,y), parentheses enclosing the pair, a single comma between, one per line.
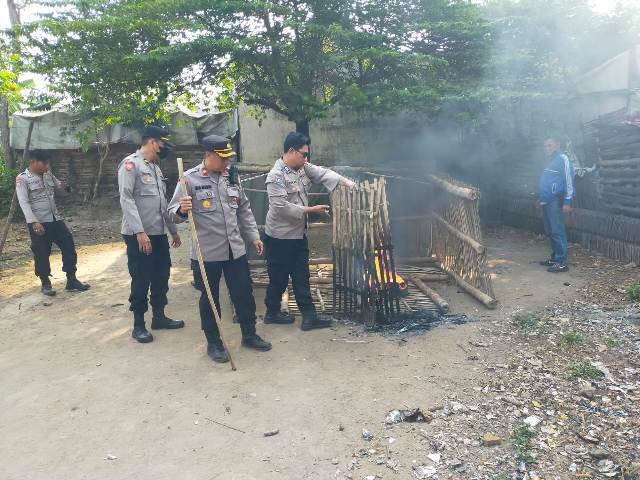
(382,280)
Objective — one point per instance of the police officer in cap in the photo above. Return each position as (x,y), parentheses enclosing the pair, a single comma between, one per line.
(144,225)
(285,239)
(35,188)
(223,217)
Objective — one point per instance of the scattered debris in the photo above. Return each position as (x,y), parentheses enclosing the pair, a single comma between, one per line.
(424,471)
(491,440)
(271,433)
(110,457)
(415,415)
(367,435)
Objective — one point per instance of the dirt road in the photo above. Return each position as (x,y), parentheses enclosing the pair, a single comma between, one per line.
(81,400)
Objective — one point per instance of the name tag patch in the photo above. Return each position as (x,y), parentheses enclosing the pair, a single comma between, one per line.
(147,179)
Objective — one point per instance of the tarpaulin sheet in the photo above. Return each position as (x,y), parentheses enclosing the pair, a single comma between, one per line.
(58,130)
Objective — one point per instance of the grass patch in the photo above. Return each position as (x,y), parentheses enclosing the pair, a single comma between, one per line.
(528,322)
(572,339)
(612,342)
(522,436)
(585,370)
(634,291)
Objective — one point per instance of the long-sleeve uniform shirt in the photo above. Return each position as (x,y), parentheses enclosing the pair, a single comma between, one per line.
(143,197)
(221,212)
(36,196)
(288,192)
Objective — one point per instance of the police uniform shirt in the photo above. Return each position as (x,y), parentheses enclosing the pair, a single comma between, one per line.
(288,192)
(221,212)
(143,197)
(36,196)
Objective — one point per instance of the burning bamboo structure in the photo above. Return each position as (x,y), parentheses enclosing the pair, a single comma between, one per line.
(365,280)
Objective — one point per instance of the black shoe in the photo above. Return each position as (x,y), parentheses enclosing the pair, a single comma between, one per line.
(73,284)
(216,351)
(314,321)
(558,268)
(547,263)
(279,317)
(254,341)
(164,322)
(47,289)
(141,334)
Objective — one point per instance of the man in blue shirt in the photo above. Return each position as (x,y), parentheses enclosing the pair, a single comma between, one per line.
(556,195)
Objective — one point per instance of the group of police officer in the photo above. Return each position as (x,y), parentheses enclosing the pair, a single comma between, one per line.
(224,221)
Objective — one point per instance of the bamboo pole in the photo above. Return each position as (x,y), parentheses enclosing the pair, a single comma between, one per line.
(482,297)
(479,249)
(433,277)
(464,192)
(432,294)
(203,272)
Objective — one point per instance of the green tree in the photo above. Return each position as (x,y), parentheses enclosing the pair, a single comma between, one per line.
(125,58)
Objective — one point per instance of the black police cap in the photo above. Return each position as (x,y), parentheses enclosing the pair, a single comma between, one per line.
(159,133)
(218,144)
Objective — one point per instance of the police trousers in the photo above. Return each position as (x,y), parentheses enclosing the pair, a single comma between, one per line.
(238,280)
(58,233)
(148,272)
(288,258)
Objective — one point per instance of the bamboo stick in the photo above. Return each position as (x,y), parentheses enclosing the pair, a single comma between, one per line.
(482,297)
(464,192)
(433,277)
(440,302)
(479,249)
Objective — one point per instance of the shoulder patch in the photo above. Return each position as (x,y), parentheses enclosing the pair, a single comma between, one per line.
(129,165)
(18,182)
(275,177)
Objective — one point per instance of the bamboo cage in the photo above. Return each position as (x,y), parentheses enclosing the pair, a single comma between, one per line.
(364,273)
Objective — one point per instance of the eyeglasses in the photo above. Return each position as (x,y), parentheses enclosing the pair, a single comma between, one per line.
(306,155)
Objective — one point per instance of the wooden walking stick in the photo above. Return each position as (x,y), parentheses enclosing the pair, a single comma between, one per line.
(203,273)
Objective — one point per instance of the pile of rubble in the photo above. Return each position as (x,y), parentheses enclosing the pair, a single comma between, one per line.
(564,404)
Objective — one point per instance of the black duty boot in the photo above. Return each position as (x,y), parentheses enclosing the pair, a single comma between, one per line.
(161,321)
(547,263)
(314,321)
(254,341)
(46,288)
(140,332)
(73,284)
(216,351)
(279,317)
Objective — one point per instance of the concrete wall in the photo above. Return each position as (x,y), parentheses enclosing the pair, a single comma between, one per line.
(342,138)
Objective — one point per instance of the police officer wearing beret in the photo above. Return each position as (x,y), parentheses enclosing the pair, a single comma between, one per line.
(35,188)
(286,245)
(223,217)
(144,225)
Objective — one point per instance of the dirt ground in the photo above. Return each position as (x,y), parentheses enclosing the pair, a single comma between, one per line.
(80,399)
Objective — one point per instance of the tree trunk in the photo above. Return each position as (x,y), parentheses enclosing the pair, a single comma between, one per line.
(7,154)
(14,20)
(303,127)
(14,13)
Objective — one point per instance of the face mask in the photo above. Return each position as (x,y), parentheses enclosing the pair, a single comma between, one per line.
(164,152)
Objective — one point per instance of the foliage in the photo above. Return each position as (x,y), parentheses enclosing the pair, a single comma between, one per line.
(123,60)
(612,342)
(522,435)
(572,338)
(634,291)
(528,322)
(584,369)
(7,186)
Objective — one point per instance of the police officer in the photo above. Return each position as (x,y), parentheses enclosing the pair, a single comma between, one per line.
(144,225)
(286,245)
(222,214)
(35,188)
